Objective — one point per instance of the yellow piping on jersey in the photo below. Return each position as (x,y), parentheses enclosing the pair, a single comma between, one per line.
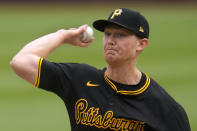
(139,91)
(37,82)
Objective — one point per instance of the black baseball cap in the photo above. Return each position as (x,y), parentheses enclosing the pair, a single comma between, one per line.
(129,19)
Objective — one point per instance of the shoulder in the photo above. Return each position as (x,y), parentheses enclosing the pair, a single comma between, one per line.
(72,68)
(67,65)
(164,99)
(78,67)
(172,113)
(159,93)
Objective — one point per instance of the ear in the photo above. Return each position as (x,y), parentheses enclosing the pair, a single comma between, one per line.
(142,43)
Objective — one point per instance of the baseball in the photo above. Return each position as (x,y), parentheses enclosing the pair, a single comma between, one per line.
(87,35)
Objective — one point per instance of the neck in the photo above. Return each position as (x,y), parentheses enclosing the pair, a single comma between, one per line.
(124,74)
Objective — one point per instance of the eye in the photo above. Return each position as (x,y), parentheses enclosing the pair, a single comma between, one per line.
(119,35)
(107,34)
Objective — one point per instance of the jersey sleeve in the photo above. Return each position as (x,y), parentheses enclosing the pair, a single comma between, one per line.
(52,77)
(62,78)
(178,120)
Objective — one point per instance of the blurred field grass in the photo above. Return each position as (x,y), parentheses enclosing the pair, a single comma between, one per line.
(170,57)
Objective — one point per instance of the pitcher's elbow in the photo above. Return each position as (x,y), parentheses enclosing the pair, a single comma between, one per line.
(12,63)
(15,64)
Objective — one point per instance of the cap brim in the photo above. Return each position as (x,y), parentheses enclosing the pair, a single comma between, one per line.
(101,24)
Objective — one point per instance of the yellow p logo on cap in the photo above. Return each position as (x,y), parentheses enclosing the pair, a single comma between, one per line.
(117,12)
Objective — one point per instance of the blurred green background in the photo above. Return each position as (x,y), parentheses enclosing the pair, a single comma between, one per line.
(170,58)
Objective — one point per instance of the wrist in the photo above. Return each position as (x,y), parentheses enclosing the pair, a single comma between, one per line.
(61,36)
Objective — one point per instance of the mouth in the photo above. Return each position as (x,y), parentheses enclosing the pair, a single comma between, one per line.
(110,51)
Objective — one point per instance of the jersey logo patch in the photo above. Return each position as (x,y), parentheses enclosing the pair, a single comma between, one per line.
(90,84)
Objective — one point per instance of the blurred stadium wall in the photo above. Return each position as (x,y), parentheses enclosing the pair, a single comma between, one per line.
(91,1)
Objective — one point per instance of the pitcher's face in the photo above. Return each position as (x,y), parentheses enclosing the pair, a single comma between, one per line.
(119,44)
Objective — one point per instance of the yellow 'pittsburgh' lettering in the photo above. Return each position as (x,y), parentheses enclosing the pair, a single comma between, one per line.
(91,117)
(117,12)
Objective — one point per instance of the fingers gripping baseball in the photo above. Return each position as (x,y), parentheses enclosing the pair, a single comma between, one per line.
(73,36)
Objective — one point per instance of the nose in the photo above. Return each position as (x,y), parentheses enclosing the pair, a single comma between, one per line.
(110,40)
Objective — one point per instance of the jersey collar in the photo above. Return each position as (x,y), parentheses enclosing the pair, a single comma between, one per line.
(140,89)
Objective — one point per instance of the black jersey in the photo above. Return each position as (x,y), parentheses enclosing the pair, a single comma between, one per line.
(96,103)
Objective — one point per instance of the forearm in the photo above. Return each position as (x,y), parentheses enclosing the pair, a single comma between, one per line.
(42,46)
(25,61)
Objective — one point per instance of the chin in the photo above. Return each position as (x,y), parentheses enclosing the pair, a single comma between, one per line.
(110,58)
